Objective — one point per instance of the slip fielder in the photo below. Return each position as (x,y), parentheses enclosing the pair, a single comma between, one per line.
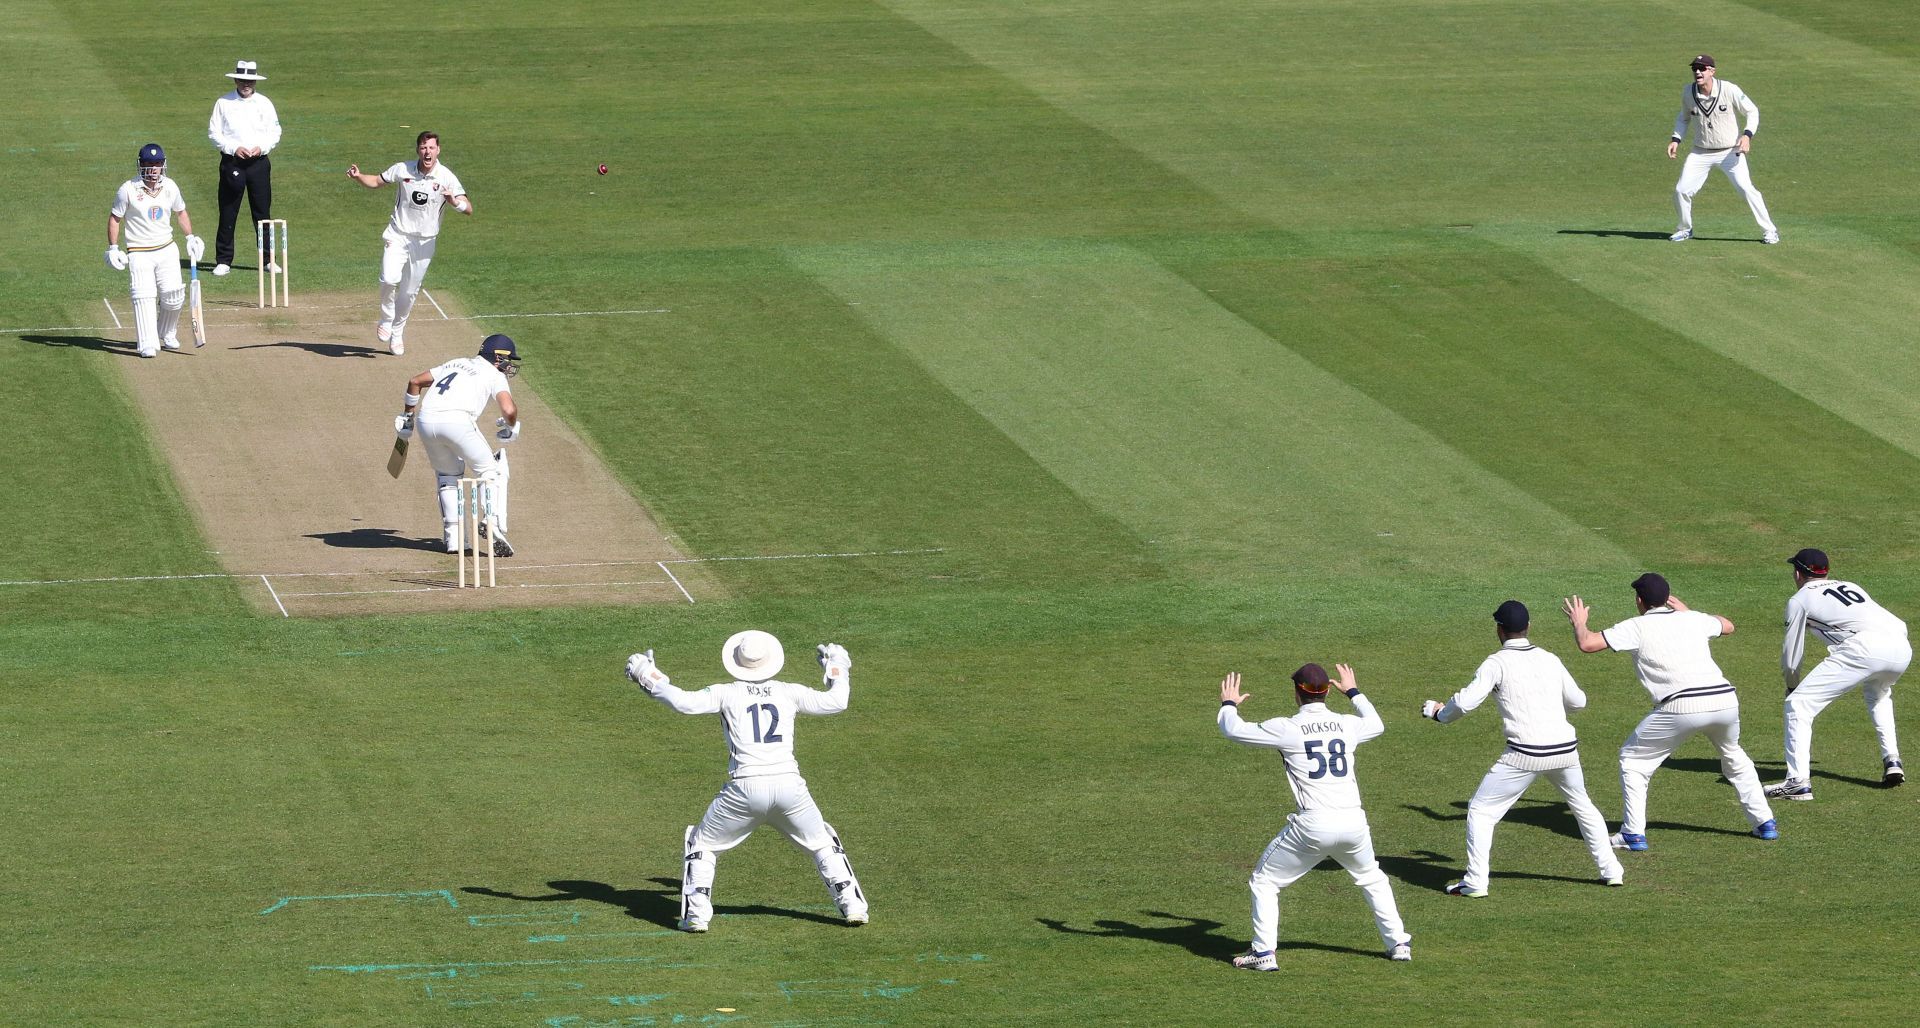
(425,186)
(1718,142)
(763,777)
(1317,750)
(1535,693)
(1867,649)
(144,207)
(1691,696)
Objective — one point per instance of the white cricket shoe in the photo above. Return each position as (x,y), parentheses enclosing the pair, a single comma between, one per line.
(272,268)
(1681,236)
(1461,888)
(1770,238)
(396,345)
(1616,879)
(147,353)
(221,270)
(688,924)
(1401,951)
(383,331)
(1251,961)
(1797,789)
(857,918)
(170,343)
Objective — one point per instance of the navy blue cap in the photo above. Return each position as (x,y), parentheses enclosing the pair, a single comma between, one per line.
(1311,678)
(1810,562)
(1652,589)
(1512,616)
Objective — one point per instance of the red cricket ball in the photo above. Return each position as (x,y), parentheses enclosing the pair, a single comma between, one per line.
(603,169)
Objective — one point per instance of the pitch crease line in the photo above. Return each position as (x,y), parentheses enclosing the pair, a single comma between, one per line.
(259,320)
(436,305)
(112,314)
(676,580)
(276,597)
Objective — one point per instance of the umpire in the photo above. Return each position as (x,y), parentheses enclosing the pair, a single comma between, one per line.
(245,127)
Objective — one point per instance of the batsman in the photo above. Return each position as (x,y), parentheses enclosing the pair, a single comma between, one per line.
(441,404)
(142,211)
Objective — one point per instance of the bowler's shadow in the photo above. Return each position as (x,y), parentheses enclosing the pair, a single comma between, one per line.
(656,906)
(1622,233)
(113,346)
(1196,935)
(377,539)
(320,349)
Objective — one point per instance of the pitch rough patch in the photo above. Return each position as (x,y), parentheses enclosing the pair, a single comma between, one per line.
(278,434)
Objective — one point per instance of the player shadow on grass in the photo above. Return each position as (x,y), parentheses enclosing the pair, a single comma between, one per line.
(321,349)
(113,346)
(1194,934)
(1551,815)
(1865,783)
(1625,233)
(1430,870)
(377,539)
(654,906)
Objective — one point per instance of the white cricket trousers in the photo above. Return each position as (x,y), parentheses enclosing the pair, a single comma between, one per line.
(403,268)
(1655,739)
(1310,837)
(457,449)
(745,804)
(157,293)
(1501,788)
(1870,663)
(1693,175)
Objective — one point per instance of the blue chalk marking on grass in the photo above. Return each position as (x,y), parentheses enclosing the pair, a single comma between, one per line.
(637,1001)
(491,920)
(473,964)
(657,933)
(951,958)
(444,894)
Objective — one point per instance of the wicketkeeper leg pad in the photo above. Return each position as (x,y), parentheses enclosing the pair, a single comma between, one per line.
(696,881)
(837,872)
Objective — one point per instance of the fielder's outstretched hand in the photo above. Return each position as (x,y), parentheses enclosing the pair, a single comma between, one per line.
(1230,690)
(1344,681)
(833,660)
(1431,709)
(1576,610)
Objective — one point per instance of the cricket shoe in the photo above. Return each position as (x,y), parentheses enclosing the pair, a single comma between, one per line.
(1681,236)
(857,918)
(1628,841)
(1462,889)
(147,353)
(1768,830)
(170,343)
(501,548)
(688,924)
(396,345)
(1251,961)
(1402,950)
(383,332)
(1792,789)
(1614,880)
(222,270)
(1770,238)
(1895,774)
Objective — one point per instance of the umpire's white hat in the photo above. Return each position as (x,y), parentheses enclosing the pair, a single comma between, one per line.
(247,70)
(752,655)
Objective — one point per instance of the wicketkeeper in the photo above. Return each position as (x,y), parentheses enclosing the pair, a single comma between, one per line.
(764,784)
(442,403)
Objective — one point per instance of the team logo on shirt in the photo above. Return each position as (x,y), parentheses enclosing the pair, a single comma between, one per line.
(419,198)
(156,212)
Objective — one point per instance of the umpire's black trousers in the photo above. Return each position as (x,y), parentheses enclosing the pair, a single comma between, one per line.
(252,176)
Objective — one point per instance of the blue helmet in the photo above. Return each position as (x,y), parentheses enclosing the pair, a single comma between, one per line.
(153,163)
(499,351)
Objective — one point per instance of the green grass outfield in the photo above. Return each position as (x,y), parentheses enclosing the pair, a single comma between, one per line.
(1196,336)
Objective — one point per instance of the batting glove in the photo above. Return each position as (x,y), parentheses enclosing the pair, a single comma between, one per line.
(115,259)
(196,248)
(641,669)
(508,433)
(1431,709)
(833,657)
(403,425)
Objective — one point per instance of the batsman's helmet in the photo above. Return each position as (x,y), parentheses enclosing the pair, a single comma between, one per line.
(499,351)
(153,162)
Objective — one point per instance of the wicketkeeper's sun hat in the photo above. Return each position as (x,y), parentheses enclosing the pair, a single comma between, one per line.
(752,655)
(1810,562)
(247,70)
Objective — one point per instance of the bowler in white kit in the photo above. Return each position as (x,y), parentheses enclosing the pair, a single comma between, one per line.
(441,403)
(759,716)
(1867,649)
(1317,748)
(141,216)
(424,187)
(1535,693)
(1691,696)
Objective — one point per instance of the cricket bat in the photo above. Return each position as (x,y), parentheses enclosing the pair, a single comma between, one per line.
(398,458)
(194,315)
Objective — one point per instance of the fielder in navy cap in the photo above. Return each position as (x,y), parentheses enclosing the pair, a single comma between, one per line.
(1512,616)
(1811,562)
(1652,590)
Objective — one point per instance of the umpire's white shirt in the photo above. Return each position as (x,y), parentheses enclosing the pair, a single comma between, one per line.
(1317,746)
(1843,614)
(1671,657)
(1535,692)
(758,718)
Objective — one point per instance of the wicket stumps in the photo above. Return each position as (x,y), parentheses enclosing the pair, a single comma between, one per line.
(270,237)
(475,500)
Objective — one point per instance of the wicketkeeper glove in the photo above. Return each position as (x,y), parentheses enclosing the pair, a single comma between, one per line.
(833,658)
(403,425)
(507,433)
(641,669)
(115,259)
(1431,709)
(196,248)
